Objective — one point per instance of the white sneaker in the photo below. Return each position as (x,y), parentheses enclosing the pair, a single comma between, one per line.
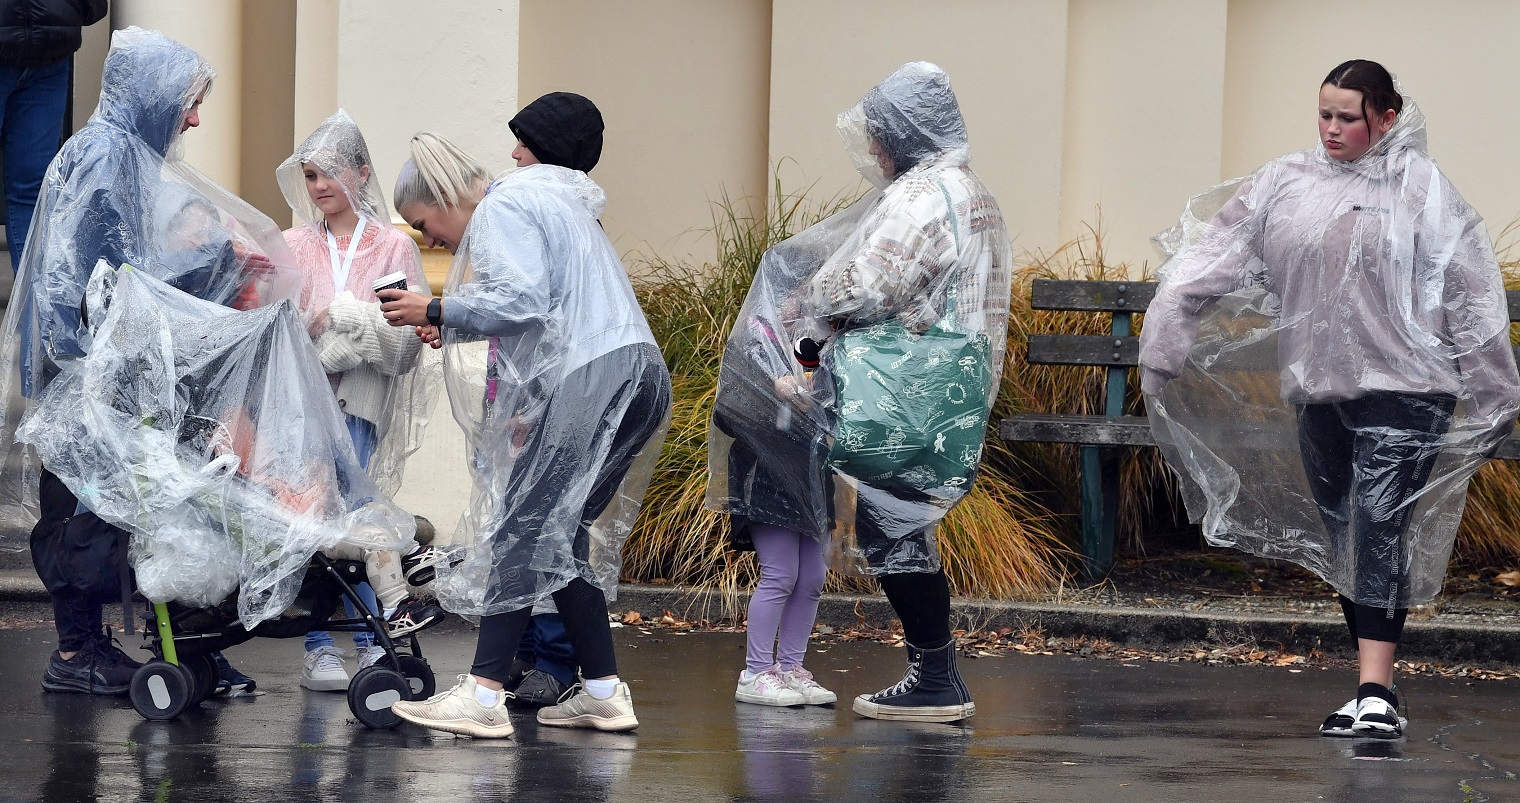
(581,710)
(323,670)
(767,688)
(801,681)
(370,655)
(457,711)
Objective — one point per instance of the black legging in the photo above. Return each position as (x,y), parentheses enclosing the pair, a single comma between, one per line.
(1367,460)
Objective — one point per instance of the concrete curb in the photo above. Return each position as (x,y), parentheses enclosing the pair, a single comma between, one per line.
(1434,640)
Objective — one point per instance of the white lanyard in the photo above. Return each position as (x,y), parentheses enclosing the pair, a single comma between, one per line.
(340,269)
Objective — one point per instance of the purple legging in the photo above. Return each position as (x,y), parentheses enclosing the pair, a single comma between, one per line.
(785,603)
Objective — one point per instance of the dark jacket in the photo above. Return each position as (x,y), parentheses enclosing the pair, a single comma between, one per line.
(36,32)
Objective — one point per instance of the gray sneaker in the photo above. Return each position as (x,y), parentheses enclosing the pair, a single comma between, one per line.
(538,689)
(457,711)
(581,710)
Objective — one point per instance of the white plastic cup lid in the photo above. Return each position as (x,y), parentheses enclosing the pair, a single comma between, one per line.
(395,280)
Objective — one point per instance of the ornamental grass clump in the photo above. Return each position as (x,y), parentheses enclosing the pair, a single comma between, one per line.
(998,542)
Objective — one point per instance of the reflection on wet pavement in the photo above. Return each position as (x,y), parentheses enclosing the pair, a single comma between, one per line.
(1048,728)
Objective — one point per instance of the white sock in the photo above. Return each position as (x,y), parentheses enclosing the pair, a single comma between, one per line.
(601,689)
(485,696)
(389,612)
(747,676)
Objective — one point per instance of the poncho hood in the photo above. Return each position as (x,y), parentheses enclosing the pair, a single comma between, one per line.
(913,114)
(336,148)
(149,82)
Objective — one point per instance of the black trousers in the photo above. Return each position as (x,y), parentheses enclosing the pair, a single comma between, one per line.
(585,395)
(1367,461)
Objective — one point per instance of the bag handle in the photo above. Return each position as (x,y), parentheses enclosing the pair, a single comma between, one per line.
(951,308)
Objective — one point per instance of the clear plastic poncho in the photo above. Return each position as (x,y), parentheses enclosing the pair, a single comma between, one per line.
(929,250)
(119,190)
(381,373)
(1336,337)
(536,299)
(209,434)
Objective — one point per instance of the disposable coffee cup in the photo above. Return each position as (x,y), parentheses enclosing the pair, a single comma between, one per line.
(391,281)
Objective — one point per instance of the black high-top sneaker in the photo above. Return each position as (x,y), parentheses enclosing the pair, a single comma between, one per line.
(931,691)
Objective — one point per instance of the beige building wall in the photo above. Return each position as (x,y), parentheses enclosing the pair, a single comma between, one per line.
(682,87)
(1006,60)
(214,29)
(1144,99)
(1456,59)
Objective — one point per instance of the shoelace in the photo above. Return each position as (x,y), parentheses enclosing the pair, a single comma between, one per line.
(902,686)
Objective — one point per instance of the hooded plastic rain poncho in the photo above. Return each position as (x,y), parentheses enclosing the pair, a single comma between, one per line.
(1339,339)
(119,191)
(211,435)
(380,373)
(932,233)
(549,363)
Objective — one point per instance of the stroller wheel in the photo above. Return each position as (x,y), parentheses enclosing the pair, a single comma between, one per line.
(161,690)
(419,676)
(371,692)
(203,670)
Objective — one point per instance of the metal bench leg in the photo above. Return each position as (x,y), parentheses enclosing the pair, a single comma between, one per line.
(1100,509)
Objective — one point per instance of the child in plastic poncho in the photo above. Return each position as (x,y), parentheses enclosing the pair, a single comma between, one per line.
(1327,362)
(344,246)
(563,434)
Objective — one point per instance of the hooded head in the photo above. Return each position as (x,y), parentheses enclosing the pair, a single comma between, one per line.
(561,128)
(338,150)
(149,84)
(911,116)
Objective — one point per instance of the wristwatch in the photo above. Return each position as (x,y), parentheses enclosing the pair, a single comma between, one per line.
(435,312)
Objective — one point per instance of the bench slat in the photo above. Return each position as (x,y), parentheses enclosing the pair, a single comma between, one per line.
(1084,350)
(1094,430)
(1063,294)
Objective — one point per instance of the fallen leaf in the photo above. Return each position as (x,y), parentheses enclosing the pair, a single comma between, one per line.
(1509,578)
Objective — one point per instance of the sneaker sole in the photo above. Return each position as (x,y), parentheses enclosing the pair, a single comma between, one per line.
(325,685)
(1377,731)
(78,687)
(461,727)
(926,713)
(614,725)
(819,699)
(795,701)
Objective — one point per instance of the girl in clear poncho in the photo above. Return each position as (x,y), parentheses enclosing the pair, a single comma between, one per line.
(1327,362)
(344,246)
(564,425)
(929,252)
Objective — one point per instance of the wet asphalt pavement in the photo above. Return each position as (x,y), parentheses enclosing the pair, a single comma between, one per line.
(1049,728)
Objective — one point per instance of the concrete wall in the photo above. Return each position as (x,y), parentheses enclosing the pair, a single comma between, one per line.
(1005,59)
(682,86)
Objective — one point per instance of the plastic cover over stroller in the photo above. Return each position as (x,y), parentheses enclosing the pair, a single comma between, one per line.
(120,190)
(212,436)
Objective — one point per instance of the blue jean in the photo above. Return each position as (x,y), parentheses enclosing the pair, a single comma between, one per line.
(546,645)
(365,438)
(32,104)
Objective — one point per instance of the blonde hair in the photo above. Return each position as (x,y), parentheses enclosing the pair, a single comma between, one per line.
(439,175)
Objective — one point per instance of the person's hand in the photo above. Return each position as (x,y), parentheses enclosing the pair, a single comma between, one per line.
(795,391)
(253,261)
(318,324)
(403,307)
(430,335)
(520,430)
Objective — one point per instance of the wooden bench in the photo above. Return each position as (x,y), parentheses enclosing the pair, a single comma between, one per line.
(1100,436)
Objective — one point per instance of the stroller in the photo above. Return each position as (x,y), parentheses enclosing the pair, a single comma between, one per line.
(183,673)
(212,436)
